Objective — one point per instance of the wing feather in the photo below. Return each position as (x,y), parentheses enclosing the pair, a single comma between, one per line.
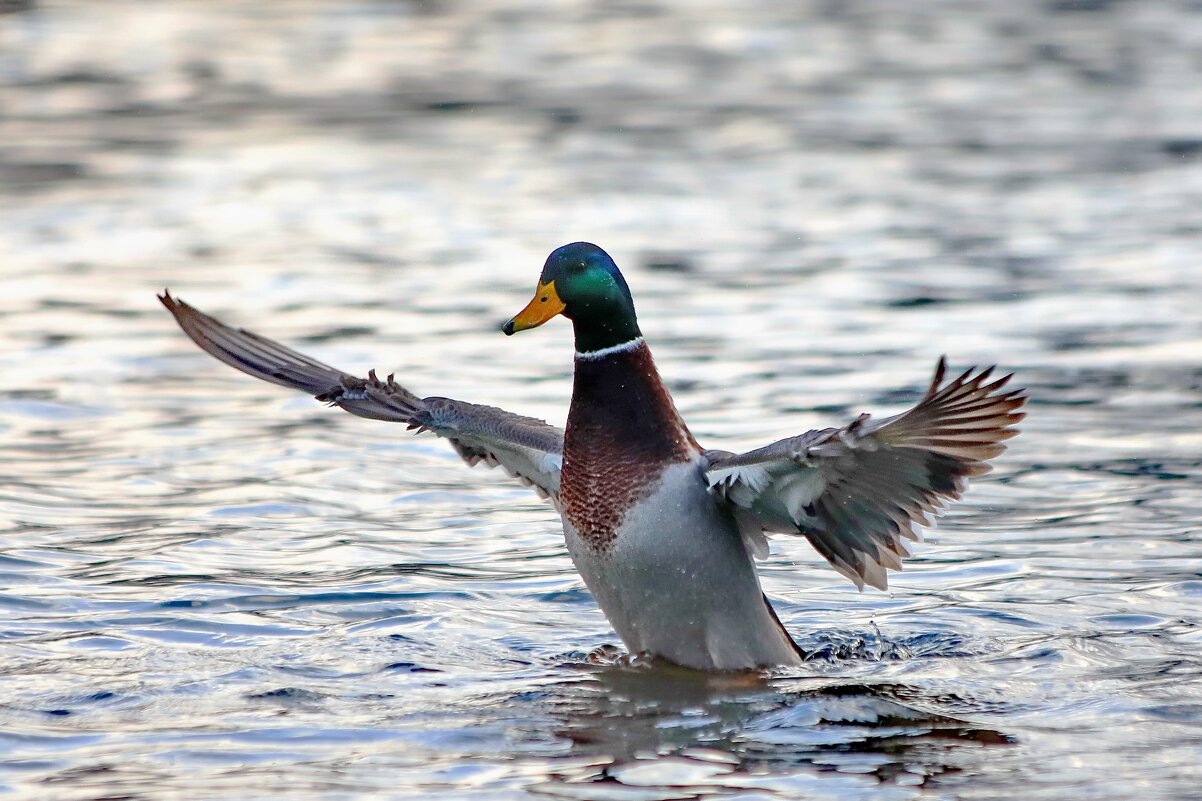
(859,492)
(528,449)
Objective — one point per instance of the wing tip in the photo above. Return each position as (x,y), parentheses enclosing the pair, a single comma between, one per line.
(186,315)
(940,373)
(170,302)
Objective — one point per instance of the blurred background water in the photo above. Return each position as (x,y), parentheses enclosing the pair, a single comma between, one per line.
(212,588)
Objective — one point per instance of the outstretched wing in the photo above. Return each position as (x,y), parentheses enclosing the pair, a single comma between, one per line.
(528,449)
(857,492)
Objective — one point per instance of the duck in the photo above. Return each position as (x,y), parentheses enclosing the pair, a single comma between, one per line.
(664,532)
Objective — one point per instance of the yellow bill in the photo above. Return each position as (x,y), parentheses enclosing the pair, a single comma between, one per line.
(542,307)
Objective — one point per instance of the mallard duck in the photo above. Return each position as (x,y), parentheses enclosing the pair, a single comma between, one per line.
(663,531)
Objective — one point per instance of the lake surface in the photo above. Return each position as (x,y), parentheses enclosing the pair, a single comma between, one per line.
(212,588)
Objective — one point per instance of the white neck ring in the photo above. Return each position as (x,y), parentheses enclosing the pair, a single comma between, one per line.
(622,347)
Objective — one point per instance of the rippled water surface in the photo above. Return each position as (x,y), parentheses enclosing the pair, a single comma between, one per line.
(212,588)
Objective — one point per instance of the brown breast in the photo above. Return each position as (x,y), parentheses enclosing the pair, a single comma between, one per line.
(623,430)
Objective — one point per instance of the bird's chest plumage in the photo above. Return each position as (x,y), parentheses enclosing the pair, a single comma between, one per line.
(623,432)
(600,483)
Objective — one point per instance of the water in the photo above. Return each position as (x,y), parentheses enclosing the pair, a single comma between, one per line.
(210,587)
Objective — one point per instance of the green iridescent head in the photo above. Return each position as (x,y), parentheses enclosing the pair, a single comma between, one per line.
(581,282)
